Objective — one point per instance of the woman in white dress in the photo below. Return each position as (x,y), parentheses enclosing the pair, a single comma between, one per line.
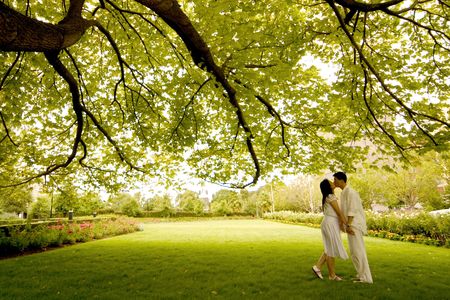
(332,223)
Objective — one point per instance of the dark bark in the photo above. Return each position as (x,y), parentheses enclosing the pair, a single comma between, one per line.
(21,33)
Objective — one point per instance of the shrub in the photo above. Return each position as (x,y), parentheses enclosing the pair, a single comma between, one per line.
(20,238)
(311,219)
(419,228)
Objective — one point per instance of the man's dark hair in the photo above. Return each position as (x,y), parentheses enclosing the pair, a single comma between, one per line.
(340,176)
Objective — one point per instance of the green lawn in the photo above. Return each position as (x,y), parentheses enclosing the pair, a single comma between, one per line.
(223,259)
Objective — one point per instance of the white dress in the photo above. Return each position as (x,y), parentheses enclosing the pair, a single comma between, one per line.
(331,233)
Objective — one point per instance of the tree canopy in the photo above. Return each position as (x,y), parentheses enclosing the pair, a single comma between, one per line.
(226,89)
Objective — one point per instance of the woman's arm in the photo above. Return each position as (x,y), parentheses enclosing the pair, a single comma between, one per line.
(334,204)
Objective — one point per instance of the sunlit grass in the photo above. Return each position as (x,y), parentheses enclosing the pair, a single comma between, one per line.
(225,259)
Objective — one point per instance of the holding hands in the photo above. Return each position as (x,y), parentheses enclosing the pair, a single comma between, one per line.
(349,229)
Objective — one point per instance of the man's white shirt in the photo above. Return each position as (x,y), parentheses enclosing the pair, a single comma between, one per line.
(352,207)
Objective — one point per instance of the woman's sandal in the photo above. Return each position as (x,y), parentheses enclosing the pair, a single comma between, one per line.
(335,278)
(316,271)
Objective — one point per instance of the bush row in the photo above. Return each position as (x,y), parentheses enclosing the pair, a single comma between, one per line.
(310,219)
(19,239)
(172,213)
(420,228)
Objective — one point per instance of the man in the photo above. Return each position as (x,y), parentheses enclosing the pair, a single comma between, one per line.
(352,209)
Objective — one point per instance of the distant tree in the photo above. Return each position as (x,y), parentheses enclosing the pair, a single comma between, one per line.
(404,186)
(418,184)
(130,207)
(90,202)
(226,202)
(189,201)
(376,186)
(302,194)
(125,203)
(65,199)
(251,204)
(265,196)
(15,199)
(160,203)
(248,204)
(40,209)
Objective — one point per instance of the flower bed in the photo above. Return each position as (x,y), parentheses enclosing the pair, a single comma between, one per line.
(419,228)
(35,237)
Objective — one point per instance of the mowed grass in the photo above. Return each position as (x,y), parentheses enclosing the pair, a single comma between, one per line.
(221,259)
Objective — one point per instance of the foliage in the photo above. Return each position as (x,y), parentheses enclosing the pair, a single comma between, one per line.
(40,209)
(126,204)
(311,219)
(301,194)
(20,239)
(8,218)
(131,208)
(90,202)
(65,199)
(226,202)
(189,201)
(422,228)
(227,90)
(15,200)
(414,183)
(160,203)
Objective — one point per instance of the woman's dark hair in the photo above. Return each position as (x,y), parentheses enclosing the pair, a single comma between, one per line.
(325,188)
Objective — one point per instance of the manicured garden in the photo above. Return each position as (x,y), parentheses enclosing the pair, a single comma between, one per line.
(420,228)
(224,259)
(28,237)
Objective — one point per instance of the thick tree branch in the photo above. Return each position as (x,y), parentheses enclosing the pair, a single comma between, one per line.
(356,7)
(366,7)
(21,33)
(53,59)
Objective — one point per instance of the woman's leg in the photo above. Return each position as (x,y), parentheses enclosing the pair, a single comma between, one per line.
(321,261)
(330,265)
(318,266)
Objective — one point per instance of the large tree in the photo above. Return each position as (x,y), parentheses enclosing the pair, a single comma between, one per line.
(101,88)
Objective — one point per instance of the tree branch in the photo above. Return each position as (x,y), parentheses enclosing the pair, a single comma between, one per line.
(21,33)
(171,13)
(7,131)
(411,113)
(53,59)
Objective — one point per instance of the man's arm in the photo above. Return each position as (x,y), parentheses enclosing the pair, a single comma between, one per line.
(349,228)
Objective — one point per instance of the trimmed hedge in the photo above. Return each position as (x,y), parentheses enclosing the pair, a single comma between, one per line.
(183,214)
(421,228)
(310,219)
